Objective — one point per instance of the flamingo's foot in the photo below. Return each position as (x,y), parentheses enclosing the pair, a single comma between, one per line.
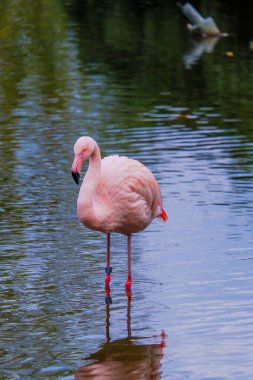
(107,279)
(128,282)
(129,294)
(108,299)
(108,271)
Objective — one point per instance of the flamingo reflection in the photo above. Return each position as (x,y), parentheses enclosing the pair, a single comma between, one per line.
(123,358)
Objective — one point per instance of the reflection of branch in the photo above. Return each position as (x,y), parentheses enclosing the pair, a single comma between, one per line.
(200,47)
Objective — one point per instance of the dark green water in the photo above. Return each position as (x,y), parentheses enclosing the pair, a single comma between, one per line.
(127,74)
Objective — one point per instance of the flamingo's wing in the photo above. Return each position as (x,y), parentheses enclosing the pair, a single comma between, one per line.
(122,178)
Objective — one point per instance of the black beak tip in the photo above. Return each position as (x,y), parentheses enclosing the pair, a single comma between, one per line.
(76,177)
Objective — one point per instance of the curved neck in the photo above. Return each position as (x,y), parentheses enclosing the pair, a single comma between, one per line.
(91,178)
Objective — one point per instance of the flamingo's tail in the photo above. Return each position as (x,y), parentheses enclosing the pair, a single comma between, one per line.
(164,216)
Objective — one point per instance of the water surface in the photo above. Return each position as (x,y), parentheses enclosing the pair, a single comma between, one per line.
(118,72)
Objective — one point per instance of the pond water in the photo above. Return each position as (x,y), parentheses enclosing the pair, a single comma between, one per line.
(127,74)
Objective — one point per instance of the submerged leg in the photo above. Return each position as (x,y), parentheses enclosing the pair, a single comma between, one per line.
(108,269)
(129,277)
(108,299)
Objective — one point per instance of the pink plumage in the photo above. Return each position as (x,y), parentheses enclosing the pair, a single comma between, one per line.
(118,194)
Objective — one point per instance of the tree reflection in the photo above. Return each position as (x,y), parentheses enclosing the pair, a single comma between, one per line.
(124,358)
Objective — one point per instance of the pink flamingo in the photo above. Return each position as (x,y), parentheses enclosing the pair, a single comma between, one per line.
(118,194)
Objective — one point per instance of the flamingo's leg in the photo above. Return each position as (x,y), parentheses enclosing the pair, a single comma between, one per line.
(108,269)
(129,277)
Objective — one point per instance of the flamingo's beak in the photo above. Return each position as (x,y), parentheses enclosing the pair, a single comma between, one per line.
(76,177)
(76,167)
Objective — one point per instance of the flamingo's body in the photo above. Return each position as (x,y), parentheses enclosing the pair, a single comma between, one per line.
(118,194)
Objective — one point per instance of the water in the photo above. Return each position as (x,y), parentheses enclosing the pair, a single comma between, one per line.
(119,73)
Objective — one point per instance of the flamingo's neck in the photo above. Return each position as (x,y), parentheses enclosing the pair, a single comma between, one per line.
(91,179)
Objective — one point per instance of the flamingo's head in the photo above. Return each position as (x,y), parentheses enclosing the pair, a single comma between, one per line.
(83,148)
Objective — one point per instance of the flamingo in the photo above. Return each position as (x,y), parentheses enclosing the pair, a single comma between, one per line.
(118,194)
